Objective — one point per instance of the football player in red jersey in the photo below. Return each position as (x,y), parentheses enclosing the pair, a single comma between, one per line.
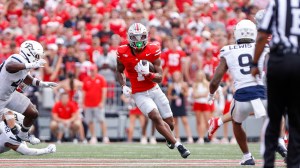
(145,90)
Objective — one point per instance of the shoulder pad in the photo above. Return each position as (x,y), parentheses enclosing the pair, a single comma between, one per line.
(224,50)
(154,48)
(17,58)
(122,49)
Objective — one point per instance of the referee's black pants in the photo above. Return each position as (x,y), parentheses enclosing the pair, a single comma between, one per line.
(283,85)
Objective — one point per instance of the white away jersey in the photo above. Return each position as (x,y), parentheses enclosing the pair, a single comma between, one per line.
(238,58)
(10,81)
(6,136)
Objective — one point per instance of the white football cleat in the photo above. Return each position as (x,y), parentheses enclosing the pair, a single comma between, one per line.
(25,136)
(51,148)
(33,140)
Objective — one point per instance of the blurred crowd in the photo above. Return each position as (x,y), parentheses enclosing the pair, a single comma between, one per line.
(80,38)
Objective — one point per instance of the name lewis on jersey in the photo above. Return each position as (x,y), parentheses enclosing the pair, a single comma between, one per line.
(238,46)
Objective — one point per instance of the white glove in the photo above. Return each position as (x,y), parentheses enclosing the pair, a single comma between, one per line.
(143,69)
(210,98)
(51,148)
(37,64)
(47,84)
(126,90)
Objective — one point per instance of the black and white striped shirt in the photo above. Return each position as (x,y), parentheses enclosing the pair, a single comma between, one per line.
(282,20)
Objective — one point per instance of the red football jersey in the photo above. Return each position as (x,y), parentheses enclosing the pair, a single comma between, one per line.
(125,55)
(173,60)
(209,65)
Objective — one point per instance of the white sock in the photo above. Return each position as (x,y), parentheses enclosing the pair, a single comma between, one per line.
(220,122)
(22,133)
(177,144)
(281,142)
(247,155)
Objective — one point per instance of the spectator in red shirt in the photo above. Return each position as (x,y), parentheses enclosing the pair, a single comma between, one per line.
(174,58)
(64,116)
(51,19)
(3,21)
(94,26)
(95,50)
(94,99)
(210,62)
(14,9)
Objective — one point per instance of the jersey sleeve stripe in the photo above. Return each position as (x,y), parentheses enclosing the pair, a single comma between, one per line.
(1,66)
(16,139)
(17,59)
(157,53)
(25,56)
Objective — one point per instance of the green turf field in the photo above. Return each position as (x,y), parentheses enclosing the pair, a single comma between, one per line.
(135,155)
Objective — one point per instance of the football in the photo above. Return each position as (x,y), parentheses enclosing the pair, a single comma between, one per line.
(151,66)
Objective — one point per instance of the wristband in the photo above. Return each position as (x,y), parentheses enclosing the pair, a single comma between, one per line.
(150,76)
(254,65)
(34,81)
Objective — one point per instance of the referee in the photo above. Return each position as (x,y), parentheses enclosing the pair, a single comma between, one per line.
(282,21)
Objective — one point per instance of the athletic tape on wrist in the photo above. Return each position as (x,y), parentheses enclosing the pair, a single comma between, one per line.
(34,82)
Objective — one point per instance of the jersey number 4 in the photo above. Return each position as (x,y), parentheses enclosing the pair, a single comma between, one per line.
(140,76)
(245,62)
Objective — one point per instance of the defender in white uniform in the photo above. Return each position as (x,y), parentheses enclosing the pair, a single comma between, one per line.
(13,72)
(250,94)
(9,141)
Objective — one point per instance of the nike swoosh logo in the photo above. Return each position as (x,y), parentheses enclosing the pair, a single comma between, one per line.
(147,55)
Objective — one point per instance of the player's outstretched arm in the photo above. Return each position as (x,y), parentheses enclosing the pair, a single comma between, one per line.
(29,80)
(25,150)
(13,67)
(156,77)
(220,71)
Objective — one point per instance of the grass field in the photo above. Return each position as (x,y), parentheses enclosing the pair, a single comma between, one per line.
(133,155)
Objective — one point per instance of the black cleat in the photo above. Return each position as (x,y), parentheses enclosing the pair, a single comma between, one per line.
(248,161)
(281,150)
(183,151)
(171,146)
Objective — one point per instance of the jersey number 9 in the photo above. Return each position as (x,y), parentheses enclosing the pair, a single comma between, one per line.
(245,62)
